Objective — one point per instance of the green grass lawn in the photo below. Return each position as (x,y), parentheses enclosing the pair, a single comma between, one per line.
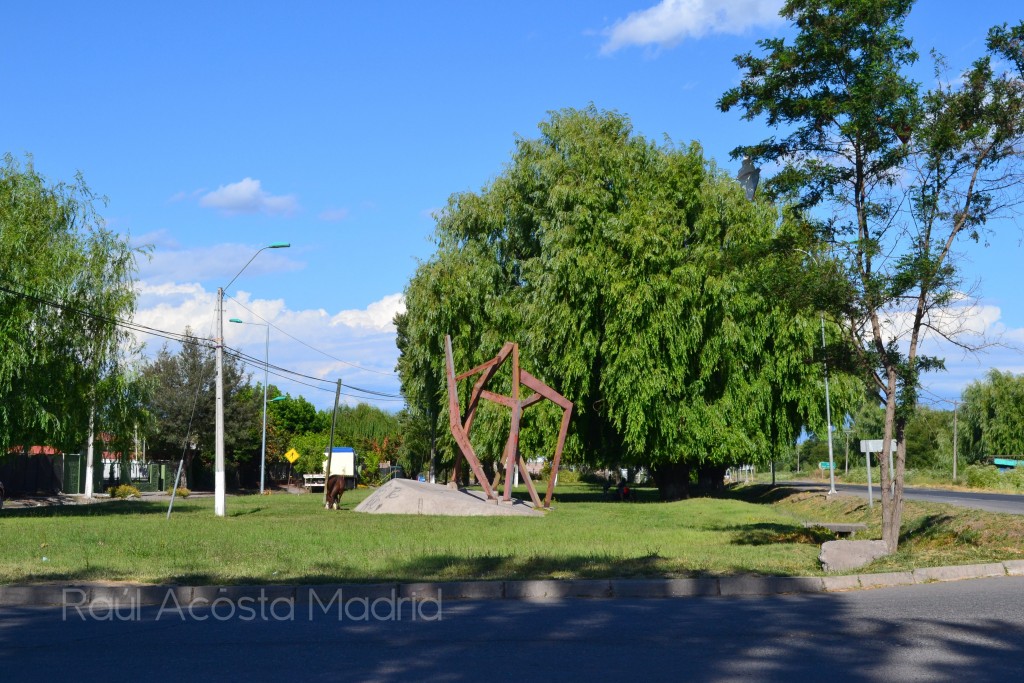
(285,538)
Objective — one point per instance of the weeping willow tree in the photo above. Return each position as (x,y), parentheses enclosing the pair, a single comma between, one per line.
(66,281)
(642,285)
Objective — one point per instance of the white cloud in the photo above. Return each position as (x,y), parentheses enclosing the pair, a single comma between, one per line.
(671,21)
(378,316)
(247,196)
(970,323)
(359,344)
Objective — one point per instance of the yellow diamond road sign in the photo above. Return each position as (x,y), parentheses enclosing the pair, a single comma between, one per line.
(292,455)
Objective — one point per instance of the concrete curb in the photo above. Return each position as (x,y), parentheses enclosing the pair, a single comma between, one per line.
(83,595)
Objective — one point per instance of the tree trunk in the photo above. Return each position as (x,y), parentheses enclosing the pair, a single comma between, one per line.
(892,496)
(711,477)
(672,480)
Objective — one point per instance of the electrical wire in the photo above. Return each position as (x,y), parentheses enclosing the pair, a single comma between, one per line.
(308,346)
(210,343)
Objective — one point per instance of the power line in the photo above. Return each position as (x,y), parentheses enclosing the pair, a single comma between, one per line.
(205,342)
(128,325)
(281,372)
(255,363)
(308,346)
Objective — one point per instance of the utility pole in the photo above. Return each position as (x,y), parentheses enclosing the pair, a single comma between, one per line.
(846,457)
(956,405)
(828,415)
(330,443)
(219,497)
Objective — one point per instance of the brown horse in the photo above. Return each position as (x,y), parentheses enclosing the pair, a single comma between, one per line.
(334,487)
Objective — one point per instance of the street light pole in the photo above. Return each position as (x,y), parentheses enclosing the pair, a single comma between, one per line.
(828,413)
(828,402)
(266,380)
(220,495)
(266,383)
(748,177)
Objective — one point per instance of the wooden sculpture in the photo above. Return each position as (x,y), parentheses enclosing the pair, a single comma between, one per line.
(511,457)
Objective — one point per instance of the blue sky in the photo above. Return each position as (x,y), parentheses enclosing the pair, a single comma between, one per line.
(216,128)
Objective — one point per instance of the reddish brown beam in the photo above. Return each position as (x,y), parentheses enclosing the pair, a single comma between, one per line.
(527,402)
(511,451)
(461,437)
(454,413)
(497,360)
(467,451)
(513,434)
(493,365)
(529,482)
(544,390)
(500,399)
(454,418)
(562,433)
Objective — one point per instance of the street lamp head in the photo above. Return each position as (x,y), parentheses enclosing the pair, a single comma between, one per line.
(278,398)
(236,320)
(279,245)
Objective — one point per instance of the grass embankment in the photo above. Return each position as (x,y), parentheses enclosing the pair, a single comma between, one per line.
(291,539)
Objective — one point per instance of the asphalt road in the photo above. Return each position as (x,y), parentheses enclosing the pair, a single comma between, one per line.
(967,630)
(993,502)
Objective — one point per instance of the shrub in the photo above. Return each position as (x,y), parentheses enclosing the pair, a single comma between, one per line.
(983,477)
(568,476)
(181,492)
(124,491)
(1015,477)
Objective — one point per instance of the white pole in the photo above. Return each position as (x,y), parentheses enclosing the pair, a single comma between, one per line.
(956,405)
(892,474)
(219,498)
(90,454)
(266,378)
(871,497)
(828,414)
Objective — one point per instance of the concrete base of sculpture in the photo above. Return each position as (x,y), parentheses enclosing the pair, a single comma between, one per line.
(409,497)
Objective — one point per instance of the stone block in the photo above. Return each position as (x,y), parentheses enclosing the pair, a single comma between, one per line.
(553,589)
(769,585)
(454,590)
(663,588)
(43,595)
(840,556)
(887,579)
(840,583)
(1014,567)
(968,571)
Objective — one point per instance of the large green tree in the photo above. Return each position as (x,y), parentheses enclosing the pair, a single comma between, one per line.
(892,175)
(993,417)
(640,283)
(66,283)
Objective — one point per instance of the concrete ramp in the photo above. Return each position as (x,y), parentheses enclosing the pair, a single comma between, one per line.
(409,497)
